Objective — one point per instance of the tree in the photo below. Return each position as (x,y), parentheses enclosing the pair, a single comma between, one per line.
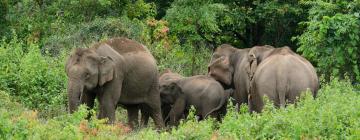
(331,38)
(3,14)
(256,22)
(195,24)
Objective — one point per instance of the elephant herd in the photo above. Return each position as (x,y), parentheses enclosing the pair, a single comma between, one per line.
(122,72)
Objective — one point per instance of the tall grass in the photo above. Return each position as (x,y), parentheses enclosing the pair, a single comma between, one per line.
(333,115)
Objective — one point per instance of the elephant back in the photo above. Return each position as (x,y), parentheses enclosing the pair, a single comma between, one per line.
(124,45)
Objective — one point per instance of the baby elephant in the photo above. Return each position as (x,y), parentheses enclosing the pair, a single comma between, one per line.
(204,93)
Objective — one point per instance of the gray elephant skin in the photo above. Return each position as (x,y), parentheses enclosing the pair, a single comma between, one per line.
(280,74)
(235,68)
(228,66)
(204,93)
(117,71)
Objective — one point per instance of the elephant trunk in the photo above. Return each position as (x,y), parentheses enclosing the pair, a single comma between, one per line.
(75,90)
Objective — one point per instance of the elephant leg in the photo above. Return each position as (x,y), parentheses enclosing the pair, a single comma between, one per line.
(133,116)
(154,105)
(144,116)
(242,99)
(222,112)
(165,110)
(177,111)
(107,105)
(282,97)
(282,101)
(185,114)
(155,114)
(107,110)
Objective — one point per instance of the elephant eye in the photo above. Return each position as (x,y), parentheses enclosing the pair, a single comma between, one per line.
(87,75)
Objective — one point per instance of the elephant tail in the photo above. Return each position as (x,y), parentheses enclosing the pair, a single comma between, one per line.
(222,102)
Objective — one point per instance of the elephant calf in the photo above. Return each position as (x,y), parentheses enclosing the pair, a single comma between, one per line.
(203,92)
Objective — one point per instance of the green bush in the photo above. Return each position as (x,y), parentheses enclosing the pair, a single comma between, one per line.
(334,114)
(36,20)
(42,80)
(37,81)
(332,37)
(182,59)
(86,33)
(10,58)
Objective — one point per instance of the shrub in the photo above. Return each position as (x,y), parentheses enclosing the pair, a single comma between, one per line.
(331,40)
(333,115)
(183,60)
(42,80)
(35,80)
(10,58)
(96,30)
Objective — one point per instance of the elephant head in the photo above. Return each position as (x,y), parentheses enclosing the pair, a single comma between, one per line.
(86,70)
(169,92)
(167,74)
(256,55)
(222,64)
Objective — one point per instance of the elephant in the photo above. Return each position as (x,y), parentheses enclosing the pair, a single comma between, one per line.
(117,71)
(165,108)
(228,65)
(280,74)
(203,92)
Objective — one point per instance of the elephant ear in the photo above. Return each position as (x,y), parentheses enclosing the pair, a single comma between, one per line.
(220,70)
(252,65)
(176,89)
(106,70)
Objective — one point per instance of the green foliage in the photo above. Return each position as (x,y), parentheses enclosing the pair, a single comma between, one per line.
(195,24)
(141,10)
(25,124)
(37,81)
(182,60)
(194,21)
(333,115)
(246,23)
(10,57)
(41,80)
(35,20)
(36,36)
(96,30)
(3,13)
(331,40)
(161,6)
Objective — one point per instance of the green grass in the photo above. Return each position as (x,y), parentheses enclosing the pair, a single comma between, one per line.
(335,114)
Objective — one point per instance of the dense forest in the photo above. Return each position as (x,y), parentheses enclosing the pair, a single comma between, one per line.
(37,36)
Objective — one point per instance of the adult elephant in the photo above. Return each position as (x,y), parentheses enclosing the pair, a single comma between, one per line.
(229,66)
(116,71)
(280,74)
(204,93)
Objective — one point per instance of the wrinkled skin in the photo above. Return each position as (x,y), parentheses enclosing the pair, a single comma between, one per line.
(115,71)
(204,93)
(230,67)
(280,74)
